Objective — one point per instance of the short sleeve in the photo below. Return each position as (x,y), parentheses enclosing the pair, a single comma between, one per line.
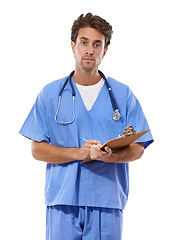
(35,126)
(137,119)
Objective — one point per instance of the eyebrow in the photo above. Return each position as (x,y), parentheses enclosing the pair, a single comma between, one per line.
(84,38)
(97,41)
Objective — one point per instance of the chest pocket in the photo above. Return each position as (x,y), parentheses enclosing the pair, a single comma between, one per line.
(109,129)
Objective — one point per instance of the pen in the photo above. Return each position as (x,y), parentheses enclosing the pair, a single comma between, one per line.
(84,139)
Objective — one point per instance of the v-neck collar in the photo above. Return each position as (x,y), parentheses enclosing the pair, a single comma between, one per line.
(81,100)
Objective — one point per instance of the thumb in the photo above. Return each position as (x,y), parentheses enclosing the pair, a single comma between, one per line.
(108,150)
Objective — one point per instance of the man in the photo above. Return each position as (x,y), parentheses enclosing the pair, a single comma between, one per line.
(85,201)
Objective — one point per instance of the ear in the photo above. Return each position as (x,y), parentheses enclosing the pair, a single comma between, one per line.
(73,46)
(104,52)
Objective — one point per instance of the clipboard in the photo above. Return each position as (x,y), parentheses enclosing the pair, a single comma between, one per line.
(120,142)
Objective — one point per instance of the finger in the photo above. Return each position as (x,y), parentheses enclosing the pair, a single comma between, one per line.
(89,143)
(93,142)
(108,150)
(95,152)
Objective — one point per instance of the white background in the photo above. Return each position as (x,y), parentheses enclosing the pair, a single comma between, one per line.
(35,50)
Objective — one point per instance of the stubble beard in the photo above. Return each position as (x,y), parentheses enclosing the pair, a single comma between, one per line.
(87,66)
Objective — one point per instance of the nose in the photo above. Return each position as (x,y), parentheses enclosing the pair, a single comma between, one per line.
(90,52)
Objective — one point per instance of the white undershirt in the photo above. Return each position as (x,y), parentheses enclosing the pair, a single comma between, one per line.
(90,93)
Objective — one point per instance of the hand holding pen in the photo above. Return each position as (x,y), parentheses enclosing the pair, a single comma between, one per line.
(93,149)
(84,151)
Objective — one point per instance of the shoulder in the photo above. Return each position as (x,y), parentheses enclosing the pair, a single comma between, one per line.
(54,84)
(116,83)
(118,87)
(52,88)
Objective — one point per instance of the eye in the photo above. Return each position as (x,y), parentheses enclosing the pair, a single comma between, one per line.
(83,43)
(97,45)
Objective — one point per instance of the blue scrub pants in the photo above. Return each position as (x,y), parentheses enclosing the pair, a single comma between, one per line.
(83,223)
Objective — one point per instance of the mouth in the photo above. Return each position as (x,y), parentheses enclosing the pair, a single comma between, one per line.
(88,59)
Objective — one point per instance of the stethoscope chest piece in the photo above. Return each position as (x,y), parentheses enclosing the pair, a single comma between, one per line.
(116,115)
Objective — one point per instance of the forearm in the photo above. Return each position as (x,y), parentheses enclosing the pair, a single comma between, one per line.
(128,154)
(58,155)
(52,154)
(124,155)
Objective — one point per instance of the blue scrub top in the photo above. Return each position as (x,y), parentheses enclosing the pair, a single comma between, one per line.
(96,184)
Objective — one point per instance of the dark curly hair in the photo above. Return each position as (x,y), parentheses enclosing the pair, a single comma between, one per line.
(93,21)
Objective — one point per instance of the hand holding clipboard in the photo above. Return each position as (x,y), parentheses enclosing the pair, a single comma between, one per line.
(120,142)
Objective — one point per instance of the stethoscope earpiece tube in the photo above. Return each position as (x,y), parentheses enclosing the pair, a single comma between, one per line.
(72,88)
(116,115)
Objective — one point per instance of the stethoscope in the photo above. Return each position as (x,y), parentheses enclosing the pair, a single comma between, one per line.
(116,115)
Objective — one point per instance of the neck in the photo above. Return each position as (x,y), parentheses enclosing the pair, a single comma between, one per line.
(86,78)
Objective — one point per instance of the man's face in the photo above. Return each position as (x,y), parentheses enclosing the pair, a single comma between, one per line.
(89,48)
